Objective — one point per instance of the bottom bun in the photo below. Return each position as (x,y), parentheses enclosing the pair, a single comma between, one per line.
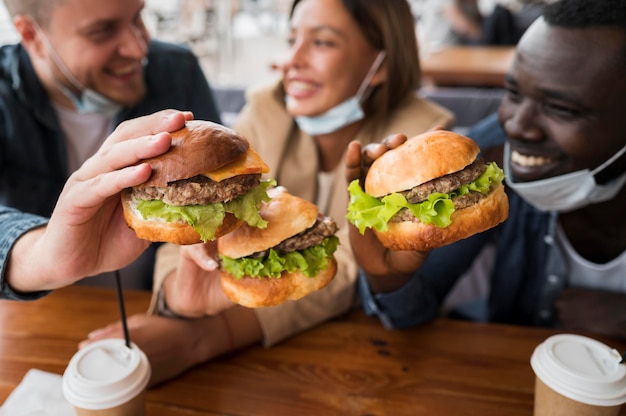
(487,213)
(269,291)
(169,232)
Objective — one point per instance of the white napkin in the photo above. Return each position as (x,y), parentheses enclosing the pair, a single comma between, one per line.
(39,394)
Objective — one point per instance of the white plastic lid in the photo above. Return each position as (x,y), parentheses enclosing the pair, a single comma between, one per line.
(581,369)
(105,374)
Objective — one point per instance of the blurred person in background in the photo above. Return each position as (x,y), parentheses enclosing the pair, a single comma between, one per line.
(446,23)
(352,73)
(505,21)
(82,67)
(559,260)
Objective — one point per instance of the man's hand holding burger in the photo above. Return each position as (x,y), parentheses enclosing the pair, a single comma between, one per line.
(422,193)
(386,270)
(87,234)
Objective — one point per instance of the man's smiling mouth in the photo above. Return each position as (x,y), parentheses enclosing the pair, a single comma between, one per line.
(528,160)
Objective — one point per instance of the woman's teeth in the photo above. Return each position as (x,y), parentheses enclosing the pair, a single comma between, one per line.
(301,86)
(525,160)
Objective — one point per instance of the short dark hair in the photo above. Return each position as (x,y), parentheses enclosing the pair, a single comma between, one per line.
(581,14)
(586,13)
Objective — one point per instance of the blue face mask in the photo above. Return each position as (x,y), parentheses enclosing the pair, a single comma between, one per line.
(91,101)
(342,114)
(88,101)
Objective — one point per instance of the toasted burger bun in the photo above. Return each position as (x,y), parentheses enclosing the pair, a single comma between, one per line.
(172,232)
(423,158)
(408,235)
(420,159)
(256,293)
(199,149)
(287,216)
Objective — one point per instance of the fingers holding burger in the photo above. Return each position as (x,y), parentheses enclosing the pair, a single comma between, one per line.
(428,192)
(205,186)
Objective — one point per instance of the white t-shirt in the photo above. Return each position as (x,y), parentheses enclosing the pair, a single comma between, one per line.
(583,273)
(84,133)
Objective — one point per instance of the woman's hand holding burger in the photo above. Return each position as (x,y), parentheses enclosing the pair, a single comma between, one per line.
(194,288)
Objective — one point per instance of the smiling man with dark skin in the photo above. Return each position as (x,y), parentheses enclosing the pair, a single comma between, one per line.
(560,258)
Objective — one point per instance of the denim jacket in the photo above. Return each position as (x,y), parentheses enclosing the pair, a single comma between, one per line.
(33,160)
(528,275)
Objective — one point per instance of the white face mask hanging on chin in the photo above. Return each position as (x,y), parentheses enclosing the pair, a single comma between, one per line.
(342,114)
(567,192)
(88,100)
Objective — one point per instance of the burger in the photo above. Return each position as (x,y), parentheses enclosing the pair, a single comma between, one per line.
(289,259)
(206,185)
(431,191)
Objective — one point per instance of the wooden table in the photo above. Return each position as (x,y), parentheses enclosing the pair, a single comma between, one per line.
(350,366)
(467,66)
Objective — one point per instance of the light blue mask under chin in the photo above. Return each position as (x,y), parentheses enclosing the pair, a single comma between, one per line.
(91,101)
(88,100)
(342,114)
(567,192)
(332,120)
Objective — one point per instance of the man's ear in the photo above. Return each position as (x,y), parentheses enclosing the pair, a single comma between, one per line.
(30,36)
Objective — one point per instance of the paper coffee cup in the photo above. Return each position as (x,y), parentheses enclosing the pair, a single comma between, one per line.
(107,378)
(576,375)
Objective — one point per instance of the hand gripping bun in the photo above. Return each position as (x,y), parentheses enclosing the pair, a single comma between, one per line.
(429,192)
(289,219)
(199,188)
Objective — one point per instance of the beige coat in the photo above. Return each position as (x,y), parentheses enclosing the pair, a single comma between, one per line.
(292,157)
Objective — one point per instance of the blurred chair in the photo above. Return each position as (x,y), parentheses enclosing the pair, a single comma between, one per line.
(469,105)
(230,100)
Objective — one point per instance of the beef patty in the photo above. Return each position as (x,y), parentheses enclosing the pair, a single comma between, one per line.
(199,190)
(445,185)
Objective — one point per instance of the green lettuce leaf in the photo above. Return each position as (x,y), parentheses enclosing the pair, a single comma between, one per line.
(365,211)
(309,261)
(206,219)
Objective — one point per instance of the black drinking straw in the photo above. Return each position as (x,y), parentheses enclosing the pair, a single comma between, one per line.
(120,300)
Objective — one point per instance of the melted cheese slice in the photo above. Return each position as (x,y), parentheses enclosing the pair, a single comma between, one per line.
(247,164)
